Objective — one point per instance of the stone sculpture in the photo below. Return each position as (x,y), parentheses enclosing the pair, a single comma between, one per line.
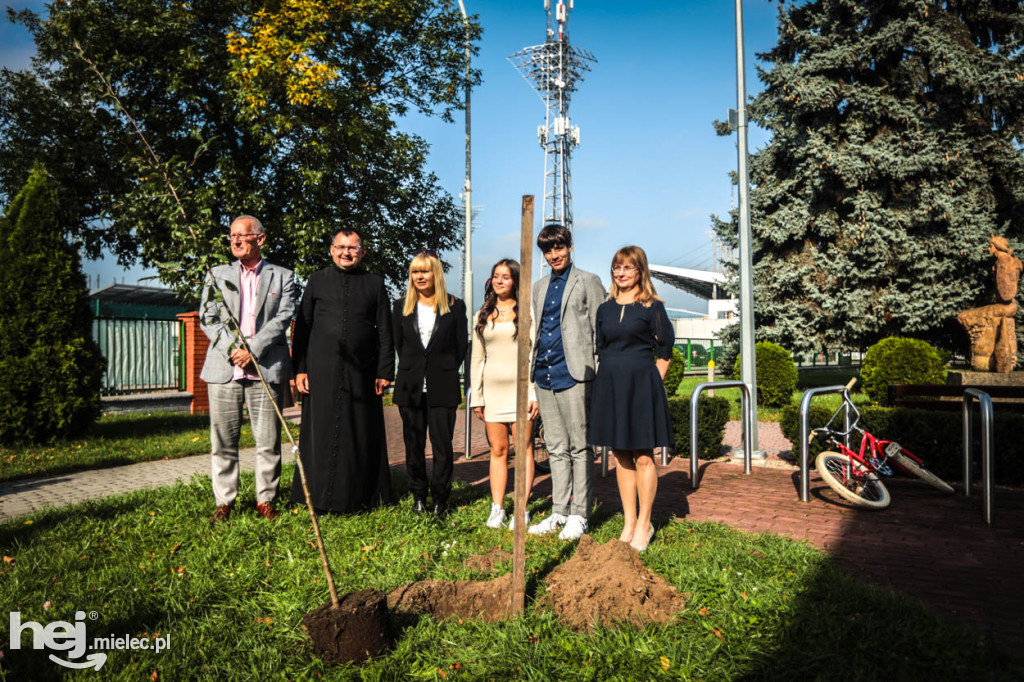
(991,328)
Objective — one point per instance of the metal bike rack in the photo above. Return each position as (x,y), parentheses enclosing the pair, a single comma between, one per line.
(745,407)
(805,432)
(987,436)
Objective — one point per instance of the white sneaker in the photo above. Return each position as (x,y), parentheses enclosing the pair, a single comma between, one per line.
(548,525)
(512,521)
(497,517)
(575,526)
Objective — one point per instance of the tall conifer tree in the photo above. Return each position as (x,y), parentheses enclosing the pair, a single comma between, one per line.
(895,152)
(50,367)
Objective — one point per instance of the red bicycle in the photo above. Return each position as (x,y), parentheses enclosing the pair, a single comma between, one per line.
(856,474)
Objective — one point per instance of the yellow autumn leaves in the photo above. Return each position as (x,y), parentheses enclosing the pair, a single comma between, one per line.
(280,45)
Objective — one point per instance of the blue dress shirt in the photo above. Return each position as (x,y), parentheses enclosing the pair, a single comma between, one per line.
(550,371)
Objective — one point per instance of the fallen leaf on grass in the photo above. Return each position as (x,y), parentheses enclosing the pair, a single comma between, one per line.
(718,633)
(8,559)
(368,548)
(704,611)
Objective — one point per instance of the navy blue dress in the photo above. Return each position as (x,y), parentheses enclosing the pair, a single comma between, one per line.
(629,408)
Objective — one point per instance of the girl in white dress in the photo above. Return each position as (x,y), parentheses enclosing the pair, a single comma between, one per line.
(493,381)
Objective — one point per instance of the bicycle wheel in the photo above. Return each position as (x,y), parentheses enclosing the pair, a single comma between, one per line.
(922,473)
(862,488)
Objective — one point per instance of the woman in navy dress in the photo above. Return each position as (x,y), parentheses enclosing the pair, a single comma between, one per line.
(629,408)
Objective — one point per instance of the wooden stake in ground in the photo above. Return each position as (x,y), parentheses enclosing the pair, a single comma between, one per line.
(524,320)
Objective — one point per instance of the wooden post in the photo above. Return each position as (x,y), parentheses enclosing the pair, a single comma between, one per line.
(525,320)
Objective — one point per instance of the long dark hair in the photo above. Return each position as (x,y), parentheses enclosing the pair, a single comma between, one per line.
(491,298)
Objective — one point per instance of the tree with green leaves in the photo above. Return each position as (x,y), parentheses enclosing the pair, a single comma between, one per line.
(50,367)
(895,153)
(286,110)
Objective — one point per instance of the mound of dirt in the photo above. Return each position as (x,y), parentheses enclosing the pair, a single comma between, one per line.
(355,631)
(488,600)
(485,563)
(607,583)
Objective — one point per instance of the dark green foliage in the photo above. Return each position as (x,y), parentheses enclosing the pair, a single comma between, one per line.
(933,435)
(714,413)
(727,350)
(676,372)
(894,155)
(304,169)
(776,374)
(899,361)
(50,367)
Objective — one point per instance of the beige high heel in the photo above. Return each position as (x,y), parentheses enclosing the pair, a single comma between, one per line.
(650,535)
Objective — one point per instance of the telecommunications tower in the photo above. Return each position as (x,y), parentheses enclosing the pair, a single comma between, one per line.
(554,69)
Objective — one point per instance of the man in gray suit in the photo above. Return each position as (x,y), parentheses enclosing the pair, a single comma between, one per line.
(260,299)
(563,366)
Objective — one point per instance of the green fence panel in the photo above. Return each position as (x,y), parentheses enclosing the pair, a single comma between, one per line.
(143,355)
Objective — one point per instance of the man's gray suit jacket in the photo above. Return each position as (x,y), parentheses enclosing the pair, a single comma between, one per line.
(275,306)
(583,294)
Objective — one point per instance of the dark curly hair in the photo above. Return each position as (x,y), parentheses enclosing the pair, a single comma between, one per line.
(491,298)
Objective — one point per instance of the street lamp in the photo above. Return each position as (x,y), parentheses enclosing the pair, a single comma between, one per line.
(468,269)
(748,361)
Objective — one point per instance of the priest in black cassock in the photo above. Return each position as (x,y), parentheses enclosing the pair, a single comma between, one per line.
(344,359)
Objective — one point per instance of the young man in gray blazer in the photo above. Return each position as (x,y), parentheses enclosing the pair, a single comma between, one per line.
(261,299)
(563,366)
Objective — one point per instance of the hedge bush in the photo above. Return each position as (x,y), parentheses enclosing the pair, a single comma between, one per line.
(675,373)
(776,374)
(934,436)
(714,413)
(897,360)
(50,367)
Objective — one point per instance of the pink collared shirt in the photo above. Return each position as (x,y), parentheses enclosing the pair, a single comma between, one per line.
(249,282)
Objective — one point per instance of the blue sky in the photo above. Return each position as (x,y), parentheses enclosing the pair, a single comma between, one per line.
(649,170)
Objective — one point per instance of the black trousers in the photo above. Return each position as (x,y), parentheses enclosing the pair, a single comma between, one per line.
(440,422)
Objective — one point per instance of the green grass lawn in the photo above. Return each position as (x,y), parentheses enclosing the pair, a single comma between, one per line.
(807,379)
(232,598)
(116,440)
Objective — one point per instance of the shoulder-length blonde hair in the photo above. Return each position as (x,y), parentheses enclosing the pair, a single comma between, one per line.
(635,256)
(420,261)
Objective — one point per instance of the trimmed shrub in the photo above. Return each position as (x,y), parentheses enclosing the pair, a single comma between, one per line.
(776,374)
(675,373)
(714,413)
(50,367)
(897,360)
(933,435)
(789,422)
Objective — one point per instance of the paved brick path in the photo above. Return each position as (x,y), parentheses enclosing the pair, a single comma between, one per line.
(934,547)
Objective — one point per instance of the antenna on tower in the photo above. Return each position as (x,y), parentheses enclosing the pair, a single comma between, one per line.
(554,69)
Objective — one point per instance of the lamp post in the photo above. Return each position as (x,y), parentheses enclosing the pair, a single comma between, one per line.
(748,363)
(468,269)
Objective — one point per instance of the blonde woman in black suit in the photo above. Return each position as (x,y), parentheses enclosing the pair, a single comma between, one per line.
(430,331)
